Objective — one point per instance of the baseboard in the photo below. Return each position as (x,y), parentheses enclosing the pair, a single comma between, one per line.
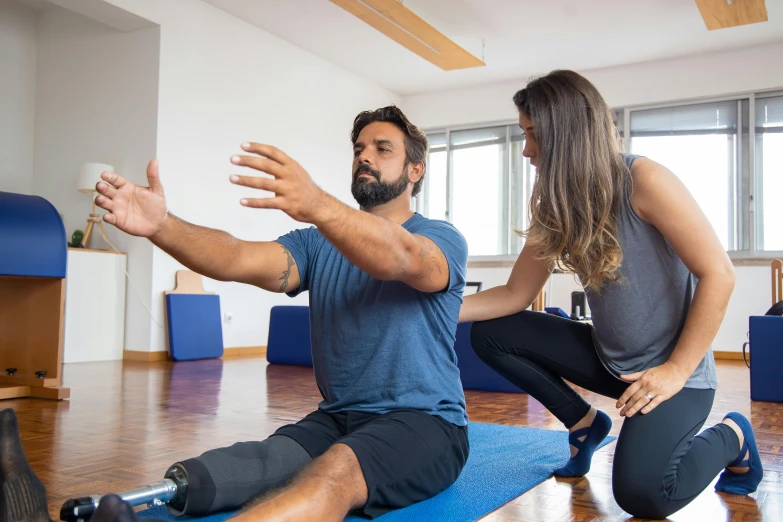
(729,356)
(241,351)
(130,355)
(245,351)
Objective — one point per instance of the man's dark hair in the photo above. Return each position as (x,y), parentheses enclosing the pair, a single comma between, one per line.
(416,144)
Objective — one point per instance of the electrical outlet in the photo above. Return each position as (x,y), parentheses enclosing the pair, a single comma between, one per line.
(228,318)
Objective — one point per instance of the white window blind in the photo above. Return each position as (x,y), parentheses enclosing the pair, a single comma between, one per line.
(437,142)
(769,114)
(705,118)
(478,137)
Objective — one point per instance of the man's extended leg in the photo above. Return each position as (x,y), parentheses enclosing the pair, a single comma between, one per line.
(384,462)
(328,489)
(228,478)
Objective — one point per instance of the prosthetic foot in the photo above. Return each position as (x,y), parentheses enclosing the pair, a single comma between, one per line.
(171,490)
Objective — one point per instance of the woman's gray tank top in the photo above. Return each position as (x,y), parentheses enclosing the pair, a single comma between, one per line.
(638,320)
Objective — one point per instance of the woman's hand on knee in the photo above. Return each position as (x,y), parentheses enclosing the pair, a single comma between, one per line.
(650,388)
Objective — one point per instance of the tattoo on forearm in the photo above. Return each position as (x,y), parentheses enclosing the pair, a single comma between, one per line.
(287,272)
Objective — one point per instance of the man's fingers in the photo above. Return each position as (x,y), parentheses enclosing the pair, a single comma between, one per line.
(153,177)
(115,179)
(106,189)
(110,219)
(275,203)
(105,203)
(267,151)
(267,165)
(256,182)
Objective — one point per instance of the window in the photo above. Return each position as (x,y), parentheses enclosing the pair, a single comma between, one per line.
(698,143)
(478,168)
(769,177)
(478,180)
(436,177)
(728,153)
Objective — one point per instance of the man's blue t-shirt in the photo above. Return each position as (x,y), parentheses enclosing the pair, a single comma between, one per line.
(383,345)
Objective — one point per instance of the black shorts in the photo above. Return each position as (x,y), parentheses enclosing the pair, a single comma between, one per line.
(406,455)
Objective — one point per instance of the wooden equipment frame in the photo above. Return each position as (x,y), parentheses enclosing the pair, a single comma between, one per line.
(777,281)
(31,337)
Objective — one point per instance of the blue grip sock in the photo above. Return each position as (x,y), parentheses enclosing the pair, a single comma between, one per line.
(747,482)
(594,434)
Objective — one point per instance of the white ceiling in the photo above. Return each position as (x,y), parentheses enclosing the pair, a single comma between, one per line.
(38,6)
(520,37)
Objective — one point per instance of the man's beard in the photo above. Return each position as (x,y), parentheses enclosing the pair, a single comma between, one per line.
(369,194)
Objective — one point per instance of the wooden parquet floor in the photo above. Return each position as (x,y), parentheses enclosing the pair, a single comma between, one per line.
(125,423)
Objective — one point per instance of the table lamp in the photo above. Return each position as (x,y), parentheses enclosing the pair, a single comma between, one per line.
(89,176)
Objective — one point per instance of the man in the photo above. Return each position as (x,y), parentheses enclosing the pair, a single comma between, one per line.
(385,289)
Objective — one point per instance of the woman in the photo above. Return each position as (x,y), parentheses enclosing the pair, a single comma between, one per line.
(638,242)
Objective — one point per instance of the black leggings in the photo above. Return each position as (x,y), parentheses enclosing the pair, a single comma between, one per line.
(660,463)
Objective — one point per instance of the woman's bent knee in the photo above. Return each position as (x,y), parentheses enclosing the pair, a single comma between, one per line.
(643,500)
(480,333)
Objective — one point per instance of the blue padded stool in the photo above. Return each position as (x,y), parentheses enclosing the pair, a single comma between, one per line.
(289,336)
(766,358)
(475,373)
(193,315)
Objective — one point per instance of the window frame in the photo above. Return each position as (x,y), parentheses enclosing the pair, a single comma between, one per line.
(422,204)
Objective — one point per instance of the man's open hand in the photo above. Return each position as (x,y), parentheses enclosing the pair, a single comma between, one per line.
(295,192)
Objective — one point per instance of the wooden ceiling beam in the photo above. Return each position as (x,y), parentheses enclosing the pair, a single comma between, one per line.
(405,27)
(720,14)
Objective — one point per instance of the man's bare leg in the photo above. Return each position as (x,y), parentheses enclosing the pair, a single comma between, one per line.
(326,490)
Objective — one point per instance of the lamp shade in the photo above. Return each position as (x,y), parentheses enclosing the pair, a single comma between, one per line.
(90,175)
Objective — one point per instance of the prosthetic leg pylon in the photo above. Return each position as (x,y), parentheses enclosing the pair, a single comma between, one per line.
(172,489)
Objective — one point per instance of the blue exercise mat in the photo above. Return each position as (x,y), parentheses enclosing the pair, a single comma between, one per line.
(504,462)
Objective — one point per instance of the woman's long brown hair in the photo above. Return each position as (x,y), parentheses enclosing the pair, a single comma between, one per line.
(581,178)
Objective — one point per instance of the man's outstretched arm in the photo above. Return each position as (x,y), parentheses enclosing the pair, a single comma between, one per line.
(221,256)
(381,248)
(141,211)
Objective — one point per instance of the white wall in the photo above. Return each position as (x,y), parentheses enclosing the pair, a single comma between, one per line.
(97,102)
(708,75)
(222,82)
(698,76)
(17,97)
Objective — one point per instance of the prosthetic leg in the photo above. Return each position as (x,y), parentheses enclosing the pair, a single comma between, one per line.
(220,479)
(172,489)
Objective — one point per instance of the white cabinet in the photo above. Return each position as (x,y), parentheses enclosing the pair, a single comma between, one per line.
(94,306)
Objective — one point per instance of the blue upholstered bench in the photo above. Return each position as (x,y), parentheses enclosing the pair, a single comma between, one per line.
(766,357)
(289,343)
(289,336)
